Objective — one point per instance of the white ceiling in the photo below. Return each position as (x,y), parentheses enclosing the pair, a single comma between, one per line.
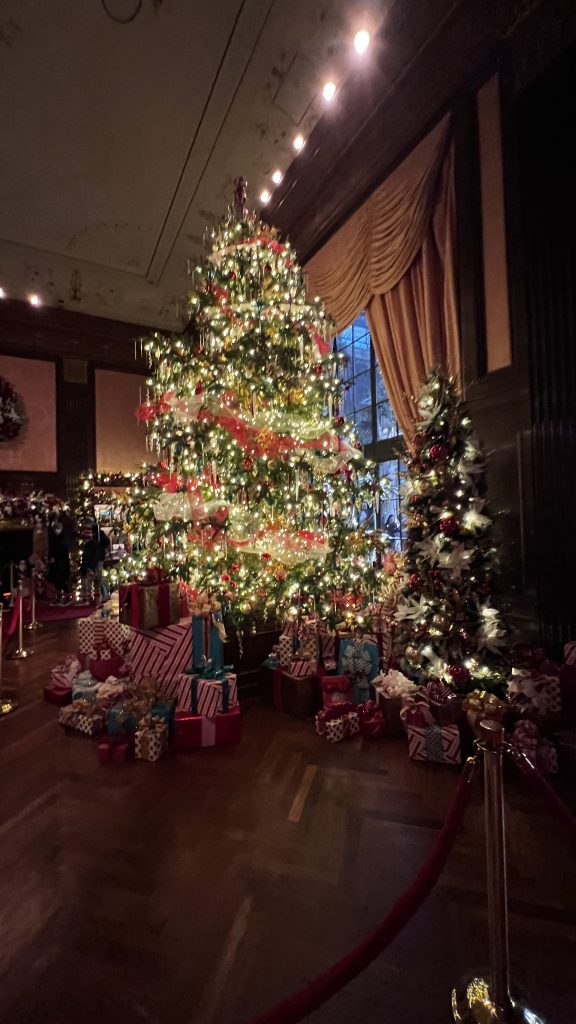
(120,141)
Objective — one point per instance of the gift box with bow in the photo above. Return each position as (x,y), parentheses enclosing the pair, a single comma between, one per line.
(335,690)
(445,704)
(208,692)
(480,704)
(338,722)
(308,646)
(372,721)
(416,711)
(437,743)
(151,738)
(66,671)
(194,731)
(82,715)
(359,660)
(149,605)
(207,640)
(285,649)
(127,714)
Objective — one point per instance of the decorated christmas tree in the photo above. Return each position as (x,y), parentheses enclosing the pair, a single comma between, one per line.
(259,486)
(448,626)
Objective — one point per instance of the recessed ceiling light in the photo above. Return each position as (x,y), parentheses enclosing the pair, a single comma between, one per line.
(299,143)
(264,197)
(329,91)
(277,177)
(34,300)
(361,41)
(2,293)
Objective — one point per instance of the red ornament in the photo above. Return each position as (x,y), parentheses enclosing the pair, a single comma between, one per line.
(198,390)
(449,525)
(266,557)
(438,452)
(459,673)
(248,462)
(318,369)
(225,577)
(232,275)
(280,576)
(339,421)
(267,268)
(414,581)
(234,567)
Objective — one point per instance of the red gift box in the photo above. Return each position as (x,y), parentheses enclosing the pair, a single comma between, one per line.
(56,693)
(335,689)
(116,749)
(194,731)
(372,721)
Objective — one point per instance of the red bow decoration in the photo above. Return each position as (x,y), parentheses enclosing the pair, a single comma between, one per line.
(372,721)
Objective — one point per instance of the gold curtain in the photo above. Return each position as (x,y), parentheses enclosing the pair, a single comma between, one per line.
(395,259)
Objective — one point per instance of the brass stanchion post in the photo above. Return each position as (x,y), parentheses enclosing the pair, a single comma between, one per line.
(20,651)
(33,624)
(481,1001)
(7,704)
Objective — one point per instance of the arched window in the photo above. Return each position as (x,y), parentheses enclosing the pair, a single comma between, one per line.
(366,402)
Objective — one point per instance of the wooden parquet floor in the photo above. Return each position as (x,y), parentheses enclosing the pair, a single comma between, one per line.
(204,888)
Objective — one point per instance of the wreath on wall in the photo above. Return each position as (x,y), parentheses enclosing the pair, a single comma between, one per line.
(12,413)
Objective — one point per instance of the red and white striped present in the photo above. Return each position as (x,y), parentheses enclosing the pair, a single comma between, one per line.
(290,627)
(162,655)
(302,667)
(570,653)
(206,696)
(96,629)
(439,743)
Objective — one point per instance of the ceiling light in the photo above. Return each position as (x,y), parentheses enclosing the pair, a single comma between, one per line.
(34,300)
(2,293)
(329,91)
(361,41)
(298,143)
(277,177)
(264,197)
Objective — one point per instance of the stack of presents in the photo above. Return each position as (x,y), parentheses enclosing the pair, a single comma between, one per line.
(346,682)
(142,690)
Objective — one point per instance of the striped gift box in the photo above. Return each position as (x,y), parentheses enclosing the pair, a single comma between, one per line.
(209,695)
(160,654)
(570,653)
(302,667)
(440,743)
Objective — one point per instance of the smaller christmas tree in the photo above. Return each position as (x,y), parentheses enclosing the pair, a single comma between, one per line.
(448,628)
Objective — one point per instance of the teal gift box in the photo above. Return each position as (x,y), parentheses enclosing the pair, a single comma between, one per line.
(164,708)
(206,643)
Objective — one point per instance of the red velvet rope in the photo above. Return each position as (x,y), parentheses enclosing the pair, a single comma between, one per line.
(15,615)
(531,772)
(323,987)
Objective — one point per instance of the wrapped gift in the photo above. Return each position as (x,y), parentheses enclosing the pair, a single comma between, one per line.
(445,704)
(480,704)
(194,731)
(85,685)
(207,643)
(308,639)
(111,689)
(338,722)
(362,691)
(208,693)
(150,605)
(161,654)
(415,710)
(372,721)
(128,713)
(116,749)
(391,689)
(358,659)
(103,662)
(56,693)
(535,691)
(525,739)
(570,653)
(302,667)
(300,695)
(151,738)
(290,626)
(285,649)
(547,757)
(327,646)
(83,716)
(439,743)
(335,689)
(97,628)
(66,671)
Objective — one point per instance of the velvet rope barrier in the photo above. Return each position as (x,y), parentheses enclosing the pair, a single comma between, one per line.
(324,986)
(531,772)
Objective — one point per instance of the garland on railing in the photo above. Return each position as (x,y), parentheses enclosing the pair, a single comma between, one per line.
(25,508)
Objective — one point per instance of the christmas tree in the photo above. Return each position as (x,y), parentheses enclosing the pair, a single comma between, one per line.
(259,486)
(448,627)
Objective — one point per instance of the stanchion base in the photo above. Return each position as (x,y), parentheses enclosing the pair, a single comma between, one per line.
(34,625)
(472,1003)
(7,704)
(20,653)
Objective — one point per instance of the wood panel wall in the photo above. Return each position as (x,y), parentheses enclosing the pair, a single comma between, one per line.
(79,345)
